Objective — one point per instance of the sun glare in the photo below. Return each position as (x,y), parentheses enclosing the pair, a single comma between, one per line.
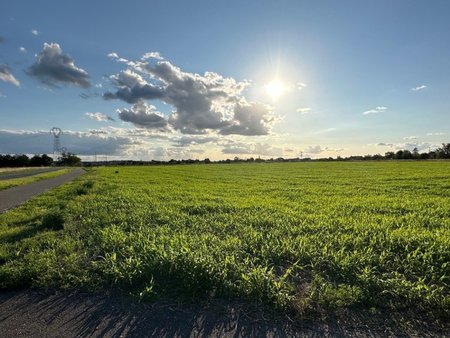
(275,89)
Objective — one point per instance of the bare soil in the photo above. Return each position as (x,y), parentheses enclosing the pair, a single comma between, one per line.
(52,313)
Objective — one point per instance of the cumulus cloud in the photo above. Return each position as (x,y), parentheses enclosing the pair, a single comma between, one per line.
(410,138)
(144,115)
(416,89)
(250,119)
(6,76)
(100,117)
(436,134)
(34,32)
(202,103)
(303,110)
(383,144)
(53,68)
(376,110)
(23,49)
(132,88)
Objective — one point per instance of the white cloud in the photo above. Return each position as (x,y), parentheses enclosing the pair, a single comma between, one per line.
(152,55)
(100,117)
(410,138)
(303,110)
(376,110)
(115,56)
(98,85)
(34,32)
(52,68)
(202,103)
(421,87)
(301,85)
(436,134)
(23,49)
(7,76)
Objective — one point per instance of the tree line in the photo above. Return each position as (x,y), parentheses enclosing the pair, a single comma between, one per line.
(69,159)
(439,153)
(22,160)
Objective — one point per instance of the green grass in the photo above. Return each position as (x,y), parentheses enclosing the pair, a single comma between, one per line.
(296,236)
(13,182)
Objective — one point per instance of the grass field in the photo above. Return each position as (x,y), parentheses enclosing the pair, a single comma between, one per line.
(298,237)
(13,182)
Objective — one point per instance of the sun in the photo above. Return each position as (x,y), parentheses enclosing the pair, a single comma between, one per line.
(275,89)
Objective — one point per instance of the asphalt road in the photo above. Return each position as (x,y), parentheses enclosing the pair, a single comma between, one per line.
(15,196)
(26,173)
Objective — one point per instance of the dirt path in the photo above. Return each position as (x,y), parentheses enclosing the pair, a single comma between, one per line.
(26,173)
(15,196)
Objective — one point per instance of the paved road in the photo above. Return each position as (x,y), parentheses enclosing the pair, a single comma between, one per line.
(26,173)
(15,196)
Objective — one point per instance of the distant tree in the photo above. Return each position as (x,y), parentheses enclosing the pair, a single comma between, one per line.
(41,161)
(46,160)
(407,155)
(415,153)
(390,155)
(399,155)
(424,156)
(69,159)
(444,152)
(20,160)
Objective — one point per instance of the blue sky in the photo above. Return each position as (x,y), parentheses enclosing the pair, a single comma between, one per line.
(322,78)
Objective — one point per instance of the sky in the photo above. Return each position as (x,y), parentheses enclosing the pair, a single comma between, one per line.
(217,79)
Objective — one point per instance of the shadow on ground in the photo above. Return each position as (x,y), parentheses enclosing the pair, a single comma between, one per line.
(49,313)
